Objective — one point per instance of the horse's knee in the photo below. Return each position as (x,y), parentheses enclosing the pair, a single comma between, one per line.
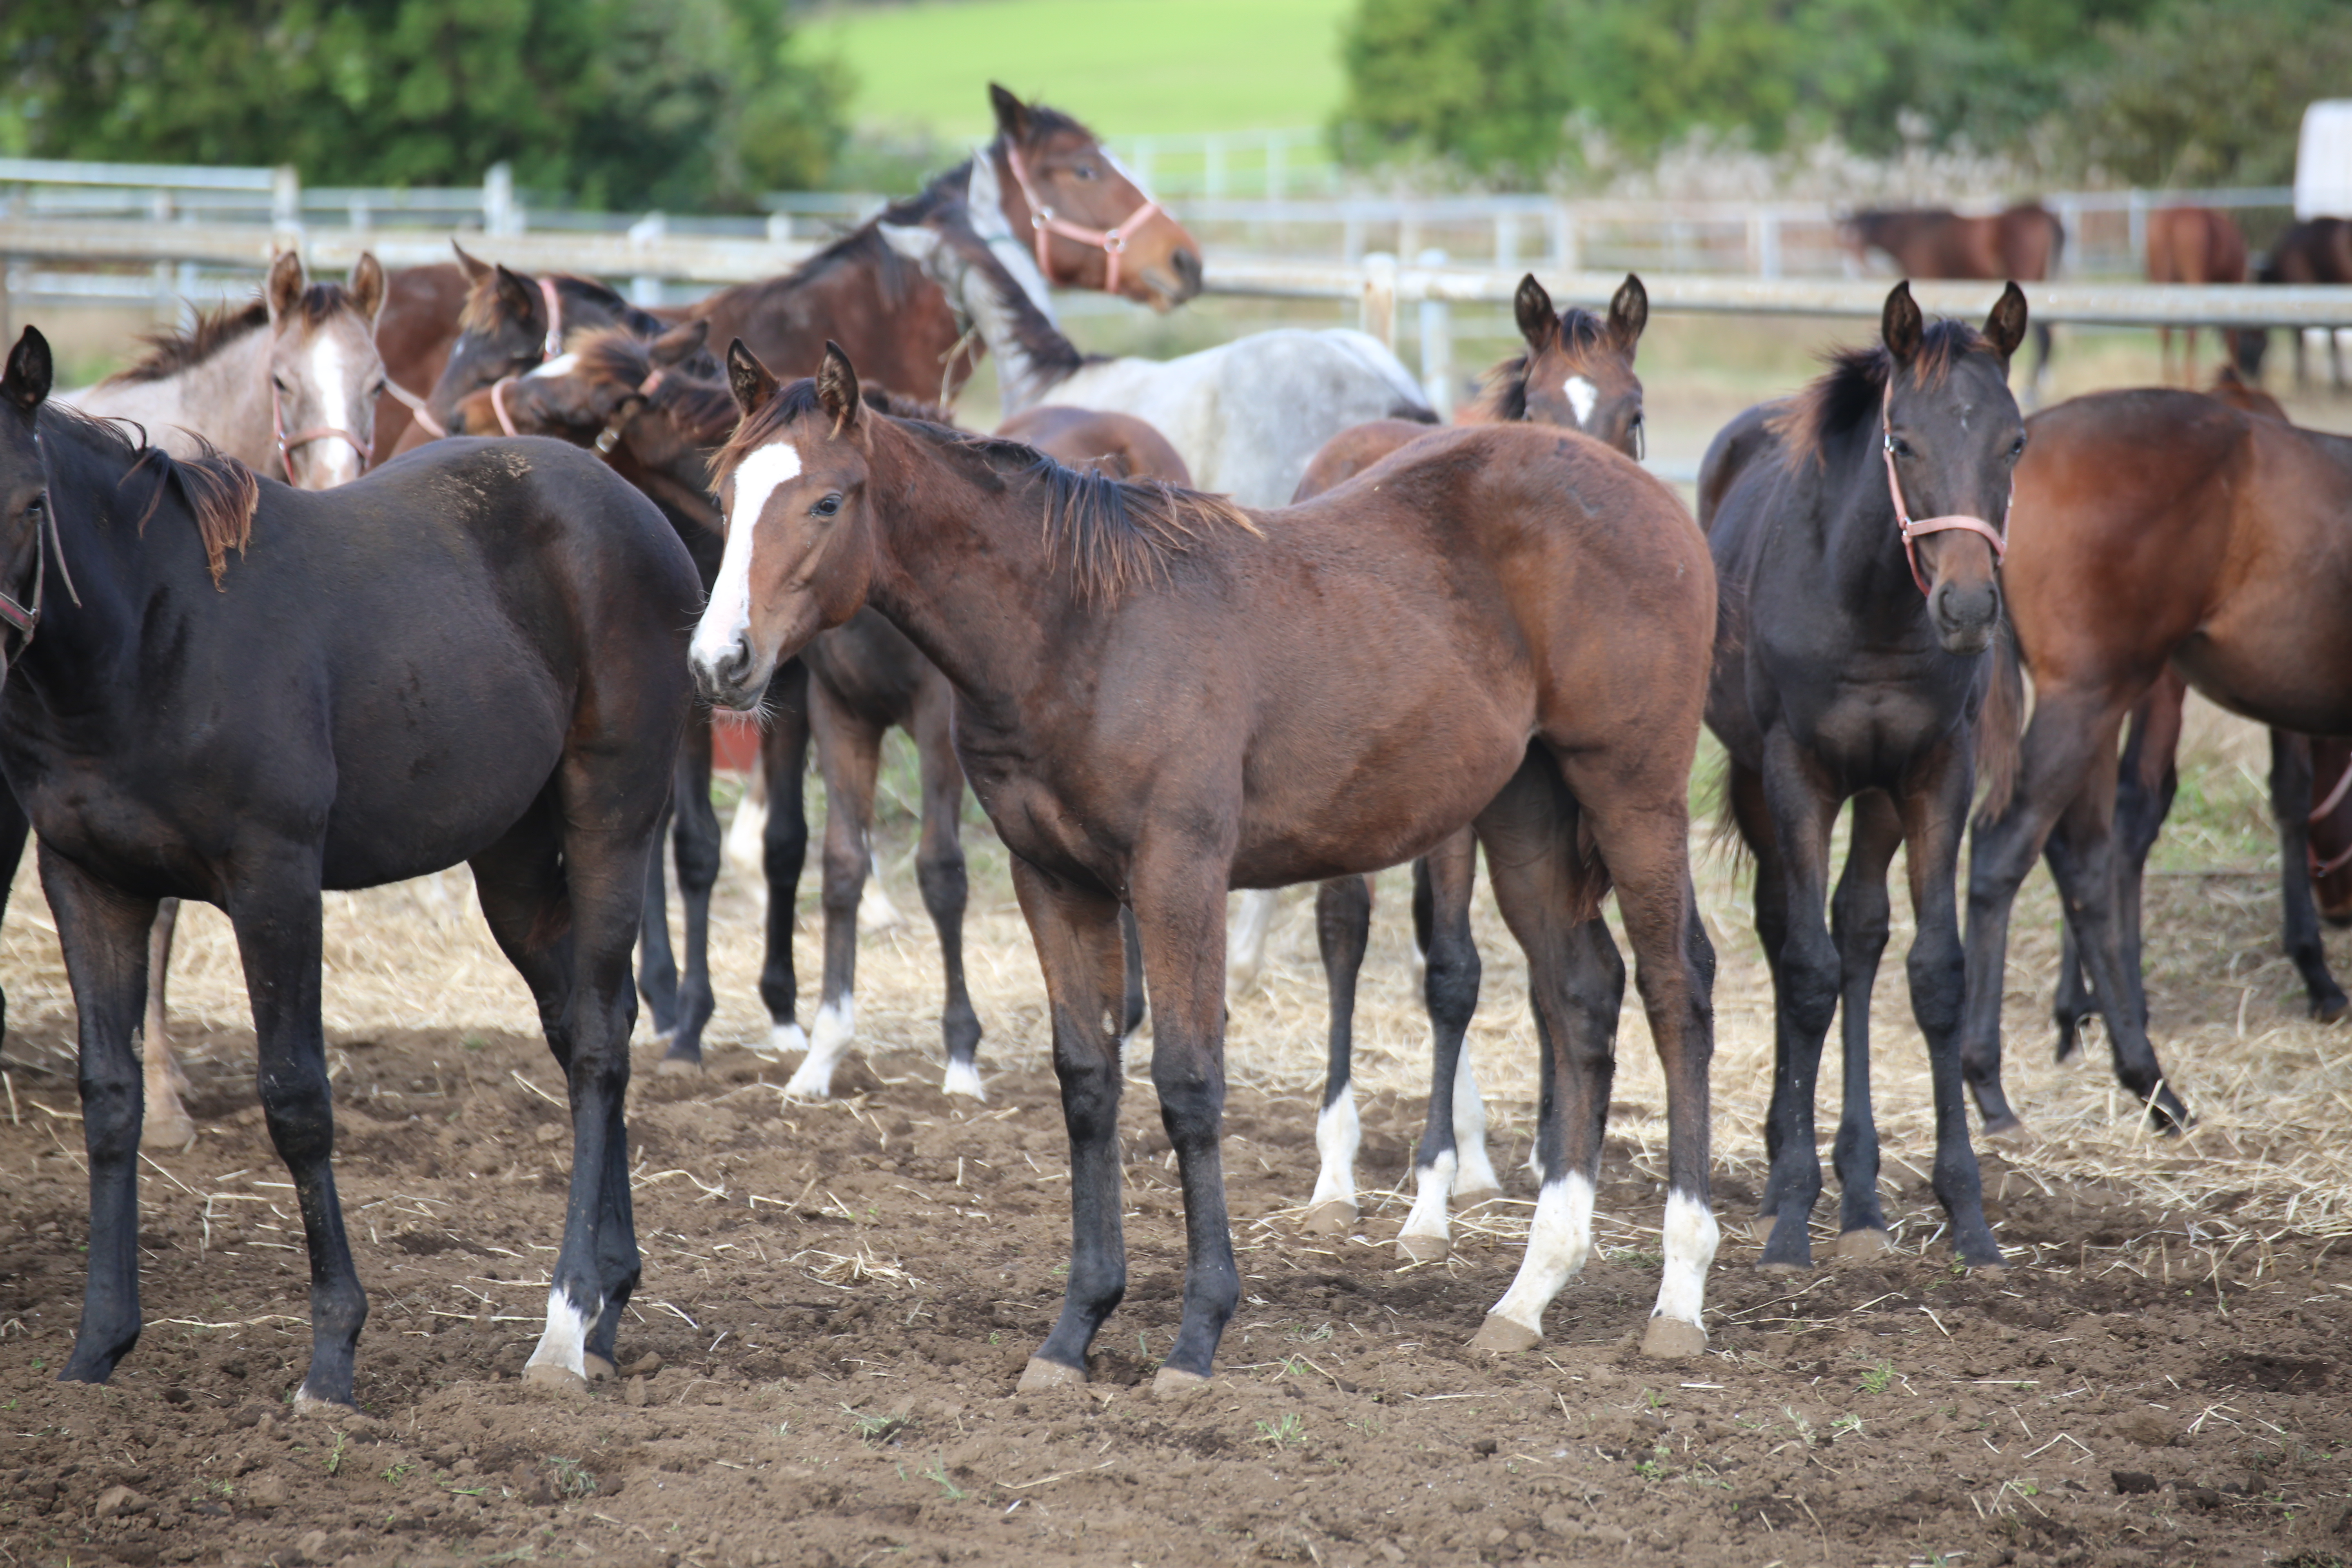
(846,866)
(939,872)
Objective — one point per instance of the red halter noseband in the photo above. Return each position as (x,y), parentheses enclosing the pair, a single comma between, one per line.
(1045,221)
(1911,527)
(286,443)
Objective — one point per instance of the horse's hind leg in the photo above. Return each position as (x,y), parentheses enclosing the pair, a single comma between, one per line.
(1246,945)
(940,869)
(1934,818)
(1343,920)
(13,830)
(784,758)
(1806,996)
(1577,982)
(104,934)
(1451,1157)
(697,841)
(168,1124)
(849,750)
(1076,929)
(657,963)
(1858,921)
(2291,787)
(2146,781)
(275,910)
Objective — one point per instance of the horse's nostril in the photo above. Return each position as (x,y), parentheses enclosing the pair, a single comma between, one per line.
(1187,264)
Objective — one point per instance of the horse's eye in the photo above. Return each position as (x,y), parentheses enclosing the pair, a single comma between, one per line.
(2017,448)
(1083,171)
(830,505)
(34,505)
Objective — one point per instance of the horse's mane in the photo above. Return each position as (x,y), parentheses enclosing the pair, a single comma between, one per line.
(219,492)
(1111,534)
(175,348)
(614,357)
(1849,391)
(1505,397)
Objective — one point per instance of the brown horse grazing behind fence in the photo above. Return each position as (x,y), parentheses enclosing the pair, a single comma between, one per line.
(2192,245)
(2153,528)
(1161,695)
(2023,243)
(1575,373)
(2316,250)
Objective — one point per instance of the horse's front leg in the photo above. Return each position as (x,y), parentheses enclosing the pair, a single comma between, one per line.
(784,759)
(1806,987)
(1343,921)
(1077,931)
(849,752)
(940,869)
(2291,790)
(1179,892)
(168,1126)
(1933,818)
(104,934)
(697,841)
(1452,1158)
(274,911)
(1859,921)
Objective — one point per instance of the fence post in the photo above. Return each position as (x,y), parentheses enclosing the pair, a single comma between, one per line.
(286,208)
(1437,346)
(645,288)
(500,214)
(1274,169)
(1506,240)
(2070,220)
(1564,257)
(1378,308)
(1212,151)
(2136,216)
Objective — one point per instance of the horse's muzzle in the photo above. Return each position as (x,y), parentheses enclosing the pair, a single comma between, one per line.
(1965,615)
(732,678)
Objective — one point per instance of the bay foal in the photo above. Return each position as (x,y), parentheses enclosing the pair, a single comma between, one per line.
(1853,662)
(1161,695)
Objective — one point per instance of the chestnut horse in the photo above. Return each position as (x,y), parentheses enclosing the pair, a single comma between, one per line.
(2192,245)
(1853,662)
(2153,528)
(1575,373)
(1161,695)
(186,726)
(415,334)
(2022,242)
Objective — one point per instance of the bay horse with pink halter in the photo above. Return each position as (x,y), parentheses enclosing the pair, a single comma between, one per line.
(1161,695)
(1855,662)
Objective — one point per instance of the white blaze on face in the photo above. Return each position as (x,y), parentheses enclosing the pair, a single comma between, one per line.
(728,617)
(1690,1236)
(330,458)
(1581,396)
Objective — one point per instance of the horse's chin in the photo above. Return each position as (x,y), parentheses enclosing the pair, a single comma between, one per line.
(1965,642)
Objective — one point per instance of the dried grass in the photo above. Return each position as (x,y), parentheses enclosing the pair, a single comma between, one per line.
(2273,1090)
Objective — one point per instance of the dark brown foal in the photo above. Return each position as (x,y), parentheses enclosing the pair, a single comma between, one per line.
(1159,695)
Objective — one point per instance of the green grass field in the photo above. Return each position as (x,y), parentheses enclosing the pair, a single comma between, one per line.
(1125,67)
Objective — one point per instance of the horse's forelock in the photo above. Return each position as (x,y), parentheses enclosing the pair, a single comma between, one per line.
(1854,385)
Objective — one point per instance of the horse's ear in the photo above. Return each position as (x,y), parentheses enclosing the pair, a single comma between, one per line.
(1629,312)
(31,371)
(2005,328)
(836,388)
(518,295)
(1011,114)
(368,286)
(476,268)
(679,344)
(1902,327)
(1538,320)
(284,289)
(747,379)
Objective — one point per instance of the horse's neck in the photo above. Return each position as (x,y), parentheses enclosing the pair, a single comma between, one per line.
(93,595)
(1032,355)
(225,399)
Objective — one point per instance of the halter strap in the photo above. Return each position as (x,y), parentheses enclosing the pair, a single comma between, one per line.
(286,443)
(1045,222)
(553,346)
(610,436)
(417,407)
(1913,528)
(498,404)
(23,618)
(2335,796)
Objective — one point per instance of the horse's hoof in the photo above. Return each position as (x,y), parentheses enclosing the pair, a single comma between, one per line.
(963,1078)
(546,1377)
(1041,1374)
(599,1369)
(1464,1202)
(1169,1384)
(1332,1217)
(2009,1129)
(1504,1336)
(678,1067)
(1672,1339)
(1423,1248)
(167,1133)
(1858,1245)
(1783,1269)
(306,1403)
(2332,1011)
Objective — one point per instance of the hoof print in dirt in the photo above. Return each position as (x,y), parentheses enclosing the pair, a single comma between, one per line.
(1333,1216)
(1170,1383)
(1504,1336)
(1041,1374)
(1672,1339)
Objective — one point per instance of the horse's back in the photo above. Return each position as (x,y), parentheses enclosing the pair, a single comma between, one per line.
(1737,448)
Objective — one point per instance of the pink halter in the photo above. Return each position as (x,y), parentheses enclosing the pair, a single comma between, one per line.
(1912,528)
(286,443)
(550,349)
(1111,242)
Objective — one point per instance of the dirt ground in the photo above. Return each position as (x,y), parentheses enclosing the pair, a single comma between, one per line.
(837,1300)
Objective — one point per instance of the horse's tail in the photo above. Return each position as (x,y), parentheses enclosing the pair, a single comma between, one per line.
(2001,727)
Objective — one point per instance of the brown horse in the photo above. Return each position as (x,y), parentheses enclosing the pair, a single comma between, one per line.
(1117,446)
(2023,243)
(2316,250)
(1575,373)
(2192,245)
(1161,695)
(415,334)
(2152,529)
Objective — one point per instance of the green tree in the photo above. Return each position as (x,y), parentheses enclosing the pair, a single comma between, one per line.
(680,104)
